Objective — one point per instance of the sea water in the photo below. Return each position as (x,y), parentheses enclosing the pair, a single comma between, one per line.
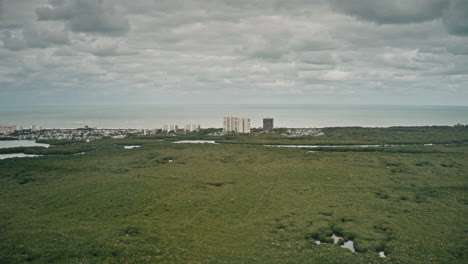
(306,116)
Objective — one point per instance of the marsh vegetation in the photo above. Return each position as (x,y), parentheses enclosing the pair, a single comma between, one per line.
(238,203)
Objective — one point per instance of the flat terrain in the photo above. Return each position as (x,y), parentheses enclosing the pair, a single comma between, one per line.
(240,203)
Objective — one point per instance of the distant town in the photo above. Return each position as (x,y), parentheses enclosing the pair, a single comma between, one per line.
(231,124)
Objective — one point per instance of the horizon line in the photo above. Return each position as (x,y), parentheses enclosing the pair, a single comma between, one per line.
(221,104)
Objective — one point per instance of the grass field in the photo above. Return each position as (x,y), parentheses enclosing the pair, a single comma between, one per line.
(238,203)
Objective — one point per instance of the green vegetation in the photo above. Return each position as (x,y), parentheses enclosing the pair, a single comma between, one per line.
(238,203)
(8,138)
(339,136)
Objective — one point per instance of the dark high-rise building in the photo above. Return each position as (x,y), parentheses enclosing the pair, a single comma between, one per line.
(268,124)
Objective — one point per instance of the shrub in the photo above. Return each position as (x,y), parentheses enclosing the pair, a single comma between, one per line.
(381,227)
(377,247)
(349,236)
(313,235)
(423,163)
(359,248)
(327,213)
(131,230)
(419,198)
(382,195)
(337,230)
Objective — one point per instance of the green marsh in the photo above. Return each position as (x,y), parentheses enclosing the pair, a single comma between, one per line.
(238,203)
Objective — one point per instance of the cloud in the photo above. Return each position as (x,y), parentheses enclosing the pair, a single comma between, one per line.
(34,36)
(104,47)
(2,11)
(392,11)
(44,36)
(203,51)
(87,16)
(13,41)
(16,13)
(455,18)
(453,13)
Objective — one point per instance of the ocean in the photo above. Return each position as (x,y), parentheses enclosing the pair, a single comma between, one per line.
(153,116)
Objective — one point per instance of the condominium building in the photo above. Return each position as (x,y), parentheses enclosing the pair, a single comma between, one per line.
(229,124)
(169,128)
(6,130)
(243,125)
(236,124)
(192,127)
(268,124)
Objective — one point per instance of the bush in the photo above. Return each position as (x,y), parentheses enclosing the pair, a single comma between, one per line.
(382,195)
(349,236)
(337,230)
(359,248)
(423,163)
(131,230)
(377,247)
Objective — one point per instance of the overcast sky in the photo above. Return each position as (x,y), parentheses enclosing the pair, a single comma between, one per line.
(233,51)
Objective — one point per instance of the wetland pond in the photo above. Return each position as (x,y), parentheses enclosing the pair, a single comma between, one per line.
(348,244)
(348,146)
(21,143)
(195,141)
(131,147)
(17,155)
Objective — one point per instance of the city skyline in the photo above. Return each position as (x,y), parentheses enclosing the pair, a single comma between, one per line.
(87,52)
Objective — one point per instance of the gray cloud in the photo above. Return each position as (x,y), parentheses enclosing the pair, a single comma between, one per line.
(1,10)
(103,47)
(43,37)
(15,13)
(88,16)
(147,51)
(34,36)
(453,13)
(456,17)
(12,41)
(392,11)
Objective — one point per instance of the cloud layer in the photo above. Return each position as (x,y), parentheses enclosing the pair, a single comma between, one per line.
(233,51)
(453,13)
(88,16)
